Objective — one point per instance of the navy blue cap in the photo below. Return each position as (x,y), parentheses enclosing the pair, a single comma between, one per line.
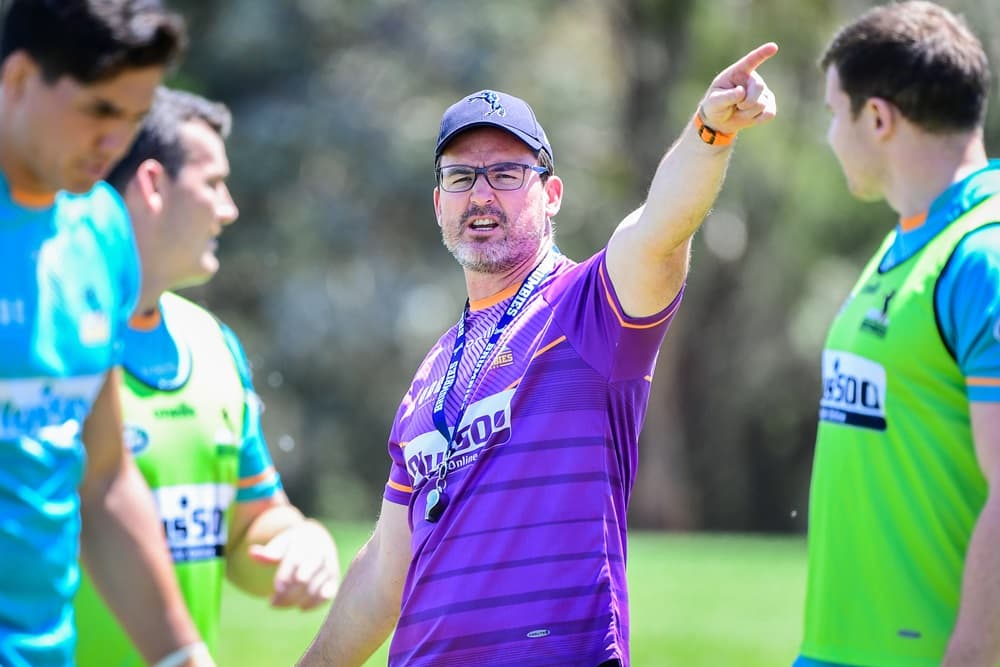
(491,108)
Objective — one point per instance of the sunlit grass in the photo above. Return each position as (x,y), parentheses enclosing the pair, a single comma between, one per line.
(696,601)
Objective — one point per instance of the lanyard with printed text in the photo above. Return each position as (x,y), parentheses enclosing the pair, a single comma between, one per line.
(437,499)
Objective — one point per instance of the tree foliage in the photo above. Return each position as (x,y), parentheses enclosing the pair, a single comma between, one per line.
(337,283)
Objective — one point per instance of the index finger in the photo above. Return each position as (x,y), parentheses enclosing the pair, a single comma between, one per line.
(751,61)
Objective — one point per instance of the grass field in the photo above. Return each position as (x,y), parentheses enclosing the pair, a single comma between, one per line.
(696,601)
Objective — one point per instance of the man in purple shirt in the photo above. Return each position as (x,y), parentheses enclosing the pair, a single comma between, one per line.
(502,535)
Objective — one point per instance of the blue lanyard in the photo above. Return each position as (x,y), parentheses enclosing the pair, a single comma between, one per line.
(531,282)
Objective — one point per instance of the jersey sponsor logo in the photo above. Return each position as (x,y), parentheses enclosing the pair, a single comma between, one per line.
(179,411)
(428,392)
(535,634)
(486,424)
(854,391)
(136,438)
(877,320)
(50,409)
(94,325)
(194,519)
(504,358)
(11,312)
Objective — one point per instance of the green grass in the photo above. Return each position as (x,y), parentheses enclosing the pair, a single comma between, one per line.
(696,601)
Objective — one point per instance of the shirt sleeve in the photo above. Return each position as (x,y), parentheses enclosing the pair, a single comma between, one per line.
(398,488)
(258,478)
(622,348)
(968,306)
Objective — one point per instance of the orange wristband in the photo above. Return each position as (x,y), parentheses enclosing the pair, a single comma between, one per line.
(710,136)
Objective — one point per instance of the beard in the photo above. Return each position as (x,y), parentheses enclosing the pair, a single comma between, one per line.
(495,256)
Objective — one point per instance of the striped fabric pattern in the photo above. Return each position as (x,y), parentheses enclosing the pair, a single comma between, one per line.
(527,564)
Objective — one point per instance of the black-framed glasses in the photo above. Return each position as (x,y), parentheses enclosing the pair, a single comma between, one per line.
(500,176)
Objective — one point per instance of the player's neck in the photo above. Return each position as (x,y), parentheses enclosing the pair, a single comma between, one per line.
(149,296)
(930,167)
(482,286)
(23,186)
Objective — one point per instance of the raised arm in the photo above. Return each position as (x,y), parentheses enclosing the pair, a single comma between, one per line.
(366,607)
(122,542)
(648,253)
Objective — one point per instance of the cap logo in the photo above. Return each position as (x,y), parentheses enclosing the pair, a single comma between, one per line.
(493,100)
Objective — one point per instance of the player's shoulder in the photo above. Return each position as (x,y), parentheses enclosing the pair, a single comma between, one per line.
(102,206)
(978,250)
(176,308)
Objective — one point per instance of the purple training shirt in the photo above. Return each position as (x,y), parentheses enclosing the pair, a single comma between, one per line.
(526,566)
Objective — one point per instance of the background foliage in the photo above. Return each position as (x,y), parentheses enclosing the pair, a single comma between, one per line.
(337,283)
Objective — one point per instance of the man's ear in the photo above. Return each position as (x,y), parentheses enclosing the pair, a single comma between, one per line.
(17,69)
(883,116)
(437,205)
(149,181)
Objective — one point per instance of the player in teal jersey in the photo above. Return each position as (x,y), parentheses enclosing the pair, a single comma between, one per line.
(904,533)
(192,417)
(76,78)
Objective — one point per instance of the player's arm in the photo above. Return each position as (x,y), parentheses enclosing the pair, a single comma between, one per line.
(975,640)
(122,541)
(365,609)
(647,255)
(274,550)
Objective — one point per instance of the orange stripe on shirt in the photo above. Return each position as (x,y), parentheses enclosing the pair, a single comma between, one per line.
(247,482)
(399,487)
(145,321)
(548,347)
(913,222)
(482,304)
(983,382)
(621,320)
(33,199)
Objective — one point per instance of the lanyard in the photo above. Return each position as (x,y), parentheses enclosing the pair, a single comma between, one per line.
(437,500)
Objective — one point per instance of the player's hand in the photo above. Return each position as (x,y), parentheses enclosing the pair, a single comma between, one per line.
(308,569)
(738,97)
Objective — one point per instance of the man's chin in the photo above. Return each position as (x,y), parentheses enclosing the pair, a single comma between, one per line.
(196,279)
(481,263)
(79,187)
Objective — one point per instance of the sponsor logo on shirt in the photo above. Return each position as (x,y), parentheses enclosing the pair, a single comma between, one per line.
(50,409)
(428,392)
(179,411)
(504,358)
(194,519)
(136,438)
(854,391)
(877,320)
(486,424)
(94,325)
(11,312)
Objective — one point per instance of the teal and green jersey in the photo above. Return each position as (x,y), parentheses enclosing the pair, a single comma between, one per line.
(69,277)
(192,421)
(896,487)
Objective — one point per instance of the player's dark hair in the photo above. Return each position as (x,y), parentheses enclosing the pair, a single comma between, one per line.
(918,56)
(159,137)
(92,40)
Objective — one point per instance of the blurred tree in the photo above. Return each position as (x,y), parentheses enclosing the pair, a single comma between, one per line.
(336,280)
